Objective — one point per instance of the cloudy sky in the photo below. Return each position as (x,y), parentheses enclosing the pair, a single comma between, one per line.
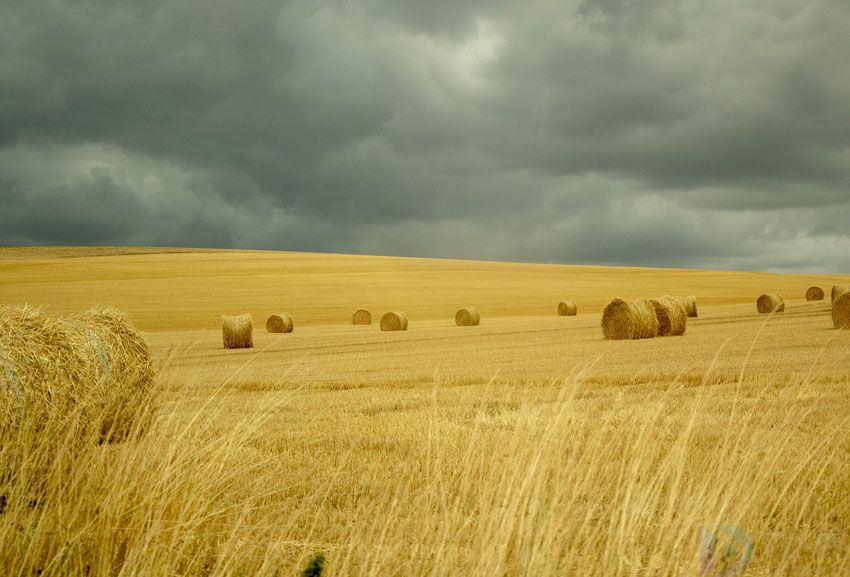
(651,132)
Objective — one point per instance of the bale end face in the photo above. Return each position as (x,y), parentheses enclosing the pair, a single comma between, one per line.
(841,312)
(629,319)
(280,323)
(671,314)
(815,293)
(237,331)
(394,321)
(770,303)
(467,317)
(361,317)
(567,309)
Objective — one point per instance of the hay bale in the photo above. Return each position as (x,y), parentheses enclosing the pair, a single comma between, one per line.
(841,312)
(815,293)
(690,304)
(567,309)
(671,314)
(279,323)
(394,321)
(629,319)
(237,331)
(770,303)
(94,362)
(467,317)
(838,290)
(361,317)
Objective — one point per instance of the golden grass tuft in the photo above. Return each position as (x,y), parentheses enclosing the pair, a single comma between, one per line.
(361,317)
(237,331)
(671,314)
(467,317)
(279,323)
(629,319)
(567,309)
(394,321)
(838,290)
(841,312)
(815,293)
(770,303)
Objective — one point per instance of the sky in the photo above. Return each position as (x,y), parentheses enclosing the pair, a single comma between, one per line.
(675,133)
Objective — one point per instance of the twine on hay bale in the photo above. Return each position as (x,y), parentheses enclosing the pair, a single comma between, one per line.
(467,317)
(394,321)
(841,312)
(237,331)
(815,293)
(629,319)
(567,309)
(279,323)
(770,303)
(671,314)
(361,317)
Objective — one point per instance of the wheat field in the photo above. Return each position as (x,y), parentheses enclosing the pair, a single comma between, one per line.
(527,445)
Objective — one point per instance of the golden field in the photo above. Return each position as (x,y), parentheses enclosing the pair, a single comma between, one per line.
(527,445)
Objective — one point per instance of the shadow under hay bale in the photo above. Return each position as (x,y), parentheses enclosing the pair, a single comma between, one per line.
(671,314)
(394,321)
(467,317)
(567,309)
(770,303)
(237,331)
(361,317)
(815,293)
(629,319)
(279,323)
(690,304)
(838,290)
(841,312)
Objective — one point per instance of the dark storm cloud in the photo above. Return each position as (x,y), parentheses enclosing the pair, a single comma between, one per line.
(612,131)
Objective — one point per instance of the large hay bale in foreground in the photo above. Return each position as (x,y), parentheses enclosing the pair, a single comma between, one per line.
(671,314)
(629,319)
(361,317)
(467,317)
(567,309)
(690,304)
(279,323)
(237,331)
(838,290)
(841,312)
(770,303)
(815,293)
(94,363)
(394,321)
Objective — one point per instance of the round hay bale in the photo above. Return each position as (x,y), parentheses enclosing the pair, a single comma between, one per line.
(671,314)
(629,319)
(237,331)
(279,323)
(815,293)
(467,317)
(838,290)
(361,317)
(690,304)
(94,362)
(770,303)
(567,309)
(841,312)
(394,321)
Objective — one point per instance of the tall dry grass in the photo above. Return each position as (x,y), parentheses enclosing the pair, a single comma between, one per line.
(571,478)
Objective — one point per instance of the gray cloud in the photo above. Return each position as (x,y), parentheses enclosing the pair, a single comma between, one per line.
(662,133)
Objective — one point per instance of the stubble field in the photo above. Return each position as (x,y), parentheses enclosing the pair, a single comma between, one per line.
(527,445)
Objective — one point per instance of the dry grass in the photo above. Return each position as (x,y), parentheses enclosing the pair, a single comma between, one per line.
(394,321)
(841,312)
(237,332)
(770,303)
(567,309)
(279,323)
(467,317)
(815,293)
(526,447)
(629,319)
(671,314)
(361,317)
